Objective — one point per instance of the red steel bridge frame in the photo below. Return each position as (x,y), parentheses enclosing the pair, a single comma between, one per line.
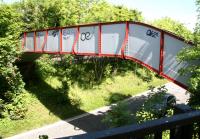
(99,54)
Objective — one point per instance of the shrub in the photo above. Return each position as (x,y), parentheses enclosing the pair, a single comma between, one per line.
(144,74)
(119,115)
(74,99)
(155,106)
(45,67)
(11,84)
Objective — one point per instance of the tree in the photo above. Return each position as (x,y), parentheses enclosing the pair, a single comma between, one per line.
(11,83)
(119,115)
(173,26)
(99,13)
(192,54)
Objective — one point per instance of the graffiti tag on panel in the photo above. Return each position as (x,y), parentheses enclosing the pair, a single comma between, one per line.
(86,36)
(67,33)
(152,33)
(54,33)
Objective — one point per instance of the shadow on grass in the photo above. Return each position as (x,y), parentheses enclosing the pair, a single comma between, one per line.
(56,102)
(60,105)
(93,122)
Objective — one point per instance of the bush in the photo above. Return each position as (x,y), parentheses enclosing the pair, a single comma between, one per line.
(145,74)
(119,115)
(155,106)
(11,84)
(17,110)
(75,99)
(45,67)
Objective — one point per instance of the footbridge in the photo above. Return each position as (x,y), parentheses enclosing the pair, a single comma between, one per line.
(147,45)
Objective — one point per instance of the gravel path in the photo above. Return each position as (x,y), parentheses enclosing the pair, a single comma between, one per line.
(91,121)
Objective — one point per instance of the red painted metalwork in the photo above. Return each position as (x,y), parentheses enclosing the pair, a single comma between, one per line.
(161,52)
(43,44)
(75,41)
(61,40)
(125,40)
(45,40)
(99,40)
(24,41)
(163,32)
(119,22)
(35,45)
(174,81)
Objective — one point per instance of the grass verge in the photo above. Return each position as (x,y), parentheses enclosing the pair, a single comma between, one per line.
(47,105)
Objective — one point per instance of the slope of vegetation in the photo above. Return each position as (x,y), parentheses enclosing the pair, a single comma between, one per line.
(46,104)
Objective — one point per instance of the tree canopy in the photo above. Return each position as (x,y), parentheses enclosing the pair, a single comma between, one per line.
(11,83)
(173,26)
(193,55)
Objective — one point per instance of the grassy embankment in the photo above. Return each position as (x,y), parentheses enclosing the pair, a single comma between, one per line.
(47,105)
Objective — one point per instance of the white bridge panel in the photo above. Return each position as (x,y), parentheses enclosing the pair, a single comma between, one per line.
(88,40)
(29,43)
(144,45)
(40,40)
(68,38)
(171,65)
(53,41)
(112,38)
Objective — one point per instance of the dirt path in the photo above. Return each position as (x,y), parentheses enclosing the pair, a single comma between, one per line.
(91,121)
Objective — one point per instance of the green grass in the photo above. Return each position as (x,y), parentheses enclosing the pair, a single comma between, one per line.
(47,105)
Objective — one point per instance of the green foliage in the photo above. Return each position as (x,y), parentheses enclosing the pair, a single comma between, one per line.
(154,107)
(99,13)
(119,115)
(88,72)
(192,55)
(145,74)
(52,13)
(173,26)
(75,100)
(10,24)
(17,110)
(45,67)
(11,83)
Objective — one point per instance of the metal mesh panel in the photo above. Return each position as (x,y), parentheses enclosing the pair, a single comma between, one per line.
(171,65)
(40,40)
(29,45)
(144,45)
(88,40)
(68,38)
(112,38)
(53,41)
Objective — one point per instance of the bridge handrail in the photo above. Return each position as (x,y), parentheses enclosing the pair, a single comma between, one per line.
(155,127)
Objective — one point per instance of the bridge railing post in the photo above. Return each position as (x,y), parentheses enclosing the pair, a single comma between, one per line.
(182,132)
